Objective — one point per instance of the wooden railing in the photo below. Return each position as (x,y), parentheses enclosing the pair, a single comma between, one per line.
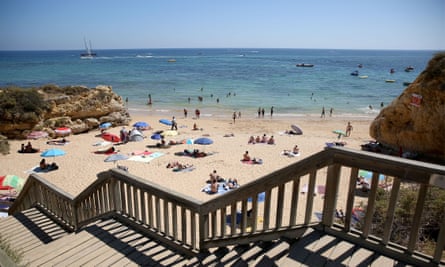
(306,193)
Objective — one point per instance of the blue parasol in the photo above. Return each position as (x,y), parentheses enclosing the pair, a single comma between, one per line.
(203,141)
(105,125)
(156,137)
(166,122)
(141,125)
(53,152)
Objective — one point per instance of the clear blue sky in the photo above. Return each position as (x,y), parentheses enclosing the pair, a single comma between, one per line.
(348,24)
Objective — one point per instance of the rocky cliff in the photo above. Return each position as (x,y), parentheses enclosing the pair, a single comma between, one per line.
(415,121)
(79,108)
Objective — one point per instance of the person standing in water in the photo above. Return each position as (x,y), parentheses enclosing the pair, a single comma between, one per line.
(348,129)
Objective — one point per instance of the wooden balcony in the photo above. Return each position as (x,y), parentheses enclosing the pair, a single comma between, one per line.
(282,204)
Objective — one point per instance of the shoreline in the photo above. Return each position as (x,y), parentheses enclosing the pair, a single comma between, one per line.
(79,167)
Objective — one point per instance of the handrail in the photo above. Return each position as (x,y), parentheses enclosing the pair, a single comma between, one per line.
(263,209)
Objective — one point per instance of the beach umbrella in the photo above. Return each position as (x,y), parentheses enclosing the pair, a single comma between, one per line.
(339,132)
(105,125)
(63,131)
(141,125)
(156,137)
(203,141)
(37,134)
(166,122)
(53,152)
(116,157)
(296,129)
(4,187)
(13,181)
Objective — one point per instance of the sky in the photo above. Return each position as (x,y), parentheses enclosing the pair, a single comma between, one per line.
(320,24)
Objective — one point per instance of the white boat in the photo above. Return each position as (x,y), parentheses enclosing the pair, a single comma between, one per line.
(88,51)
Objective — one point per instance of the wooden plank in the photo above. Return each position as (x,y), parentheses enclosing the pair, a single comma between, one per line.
(310,197)
(294,201)
(184,224)
(391,208)
(150,209)
(166,220)
(266,210)
(350,201)
(233,213)
(244,216)
(332,182)
(280,206)
(175,220)
(370,208)
(143,206)
(222,221)
(415,226)
(136,204)
(158,212)
(193,229)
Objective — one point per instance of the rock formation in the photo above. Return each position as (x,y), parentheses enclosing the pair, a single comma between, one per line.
(79,108)
(415,121)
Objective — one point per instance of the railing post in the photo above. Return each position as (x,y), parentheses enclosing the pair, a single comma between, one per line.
(332,183)
(203,229)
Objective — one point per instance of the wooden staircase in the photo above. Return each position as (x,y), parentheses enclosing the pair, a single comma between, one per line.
(110,242)
(121,219)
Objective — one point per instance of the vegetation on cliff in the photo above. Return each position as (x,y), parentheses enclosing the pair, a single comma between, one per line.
(18,104)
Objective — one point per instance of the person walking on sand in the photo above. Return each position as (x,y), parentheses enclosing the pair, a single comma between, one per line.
(323,115)
(259,112)
(330,112)
(149,99)
(174,124)
(271,111)
(348,129)
(185,113)
(234,117)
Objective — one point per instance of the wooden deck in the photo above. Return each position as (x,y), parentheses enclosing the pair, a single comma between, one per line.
(109,242)
(121,217)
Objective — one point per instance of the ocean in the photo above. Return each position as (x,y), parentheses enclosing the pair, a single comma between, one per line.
(228,80)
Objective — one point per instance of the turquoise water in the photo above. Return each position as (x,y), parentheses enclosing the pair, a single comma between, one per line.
(241,79)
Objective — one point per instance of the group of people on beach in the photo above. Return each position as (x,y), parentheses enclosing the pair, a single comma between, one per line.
(261,112)
(261,140)
(215,181)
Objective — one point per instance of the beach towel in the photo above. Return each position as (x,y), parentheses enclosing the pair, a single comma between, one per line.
(188,169)
(141,153)
(256,161)
(146,158)
(222,188)
(290,154)
(37,169)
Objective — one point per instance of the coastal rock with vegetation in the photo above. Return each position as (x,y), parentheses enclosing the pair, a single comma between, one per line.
(415,121)
(48,107)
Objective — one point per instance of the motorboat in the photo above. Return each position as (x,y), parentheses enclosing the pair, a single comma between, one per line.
(409,68)
(305,65)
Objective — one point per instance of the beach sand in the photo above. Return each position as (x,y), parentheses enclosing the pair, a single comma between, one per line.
(78,168)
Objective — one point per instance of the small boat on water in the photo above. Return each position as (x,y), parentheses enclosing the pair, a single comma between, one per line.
(88,51)
(409,68)
(354,73)
(171,60)
(390,81)
(305,65)
(363,76)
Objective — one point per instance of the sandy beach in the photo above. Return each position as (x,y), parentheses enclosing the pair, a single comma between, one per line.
(79,166)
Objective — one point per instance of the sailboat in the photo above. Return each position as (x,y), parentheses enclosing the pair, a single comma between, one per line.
(89,52)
